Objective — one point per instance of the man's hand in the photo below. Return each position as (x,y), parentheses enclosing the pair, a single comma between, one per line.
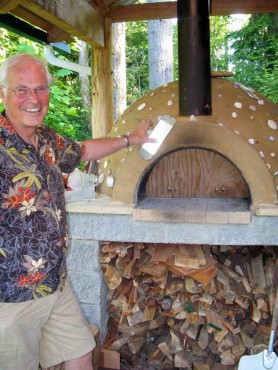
(140,134)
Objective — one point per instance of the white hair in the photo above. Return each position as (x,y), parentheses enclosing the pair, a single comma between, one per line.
(18,58)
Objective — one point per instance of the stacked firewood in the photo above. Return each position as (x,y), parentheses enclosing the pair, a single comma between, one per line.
(187,306)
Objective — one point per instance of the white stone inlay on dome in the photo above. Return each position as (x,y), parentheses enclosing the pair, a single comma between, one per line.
(122,160)
(152,94)
(170,102)
(192,118)
(101,178)
(252,107)
(238,105)
(261,102)
(276,173)
(272,124)
(271,138)
(141,106)
(268,166)
(237,132)
(252,117)
(234,115)
(251,141)
(124,122)
(105,164)
(220,124)
(116,129)
(272,154)
(173,95)
(261,153)
(110,181)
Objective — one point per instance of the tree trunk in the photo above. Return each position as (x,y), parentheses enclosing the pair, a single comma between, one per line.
(160,36)
(119,69)
(85,84)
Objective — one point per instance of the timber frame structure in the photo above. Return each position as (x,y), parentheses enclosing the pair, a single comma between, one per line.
(91,21)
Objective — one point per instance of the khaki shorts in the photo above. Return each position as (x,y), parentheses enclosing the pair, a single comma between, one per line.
(48,331)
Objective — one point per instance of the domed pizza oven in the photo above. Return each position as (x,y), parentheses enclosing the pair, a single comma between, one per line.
(231,154)
(221,152)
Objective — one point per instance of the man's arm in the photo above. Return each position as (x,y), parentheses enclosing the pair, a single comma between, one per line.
(98,148)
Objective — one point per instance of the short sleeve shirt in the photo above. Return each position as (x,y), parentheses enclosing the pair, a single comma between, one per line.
(33,227)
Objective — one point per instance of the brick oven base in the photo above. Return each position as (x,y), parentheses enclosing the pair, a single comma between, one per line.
(101,221)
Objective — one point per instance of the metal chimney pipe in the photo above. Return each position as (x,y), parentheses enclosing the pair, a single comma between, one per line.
(194,57)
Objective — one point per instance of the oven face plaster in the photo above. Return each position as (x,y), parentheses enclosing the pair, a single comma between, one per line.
(87,230)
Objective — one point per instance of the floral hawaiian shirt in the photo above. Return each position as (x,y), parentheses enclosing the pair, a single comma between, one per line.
(33,228)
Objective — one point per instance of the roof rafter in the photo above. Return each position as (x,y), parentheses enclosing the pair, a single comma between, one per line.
(168,9)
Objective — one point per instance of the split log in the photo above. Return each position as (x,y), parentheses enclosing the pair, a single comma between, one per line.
(228,358)
(183,359)
(136,344)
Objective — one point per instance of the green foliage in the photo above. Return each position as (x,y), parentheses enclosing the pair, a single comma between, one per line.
(219,43)
(137,64)
(255,54)
(66,119)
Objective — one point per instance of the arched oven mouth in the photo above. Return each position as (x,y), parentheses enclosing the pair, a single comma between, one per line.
(188,181)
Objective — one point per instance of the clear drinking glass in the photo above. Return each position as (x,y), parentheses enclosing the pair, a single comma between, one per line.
(88,187)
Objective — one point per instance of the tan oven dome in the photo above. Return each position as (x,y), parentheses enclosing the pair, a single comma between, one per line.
(243,129)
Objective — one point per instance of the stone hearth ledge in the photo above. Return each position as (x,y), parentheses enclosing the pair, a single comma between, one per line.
(102,204)
(213,208)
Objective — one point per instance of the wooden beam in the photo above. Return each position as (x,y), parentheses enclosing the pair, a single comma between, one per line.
(32,18)
(7,6)
(226,7)
(76,17)
(168,10)
(54,34)
(140,12)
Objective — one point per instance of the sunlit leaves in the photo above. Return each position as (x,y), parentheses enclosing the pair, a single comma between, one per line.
(256,53)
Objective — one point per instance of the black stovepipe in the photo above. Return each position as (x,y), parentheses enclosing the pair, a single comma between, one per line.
(194,57)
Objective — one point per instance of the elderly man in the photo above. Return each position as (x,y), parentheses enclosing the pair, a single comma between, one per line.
(40,319)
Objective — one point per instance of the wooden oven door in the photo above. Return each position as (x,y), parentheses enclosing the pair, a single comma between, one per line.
(195,173)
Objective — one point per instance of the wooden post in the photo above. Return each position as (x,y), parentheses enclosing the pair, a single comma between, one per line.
(102,86)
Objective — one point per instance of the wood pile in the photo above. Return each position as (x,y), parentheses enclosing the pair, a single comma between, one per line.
(187,306)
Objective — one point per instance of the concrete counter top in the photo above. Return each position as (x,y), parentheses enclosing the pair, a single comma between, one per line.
(101,205)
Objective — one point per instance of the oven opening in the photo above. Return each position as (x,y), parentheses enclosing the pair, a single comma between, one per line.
(191,179)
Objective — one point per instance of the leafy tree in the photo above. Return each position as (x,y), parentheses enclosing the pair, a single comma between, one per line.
(137,64)
(219,31)
(256,53)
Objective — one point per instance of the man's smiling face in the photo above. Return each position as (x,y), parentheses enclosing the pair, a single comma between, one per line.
(27,112)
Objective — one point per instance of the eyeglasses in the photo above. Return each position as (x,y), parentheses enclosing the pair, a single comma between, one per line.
(24,92)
